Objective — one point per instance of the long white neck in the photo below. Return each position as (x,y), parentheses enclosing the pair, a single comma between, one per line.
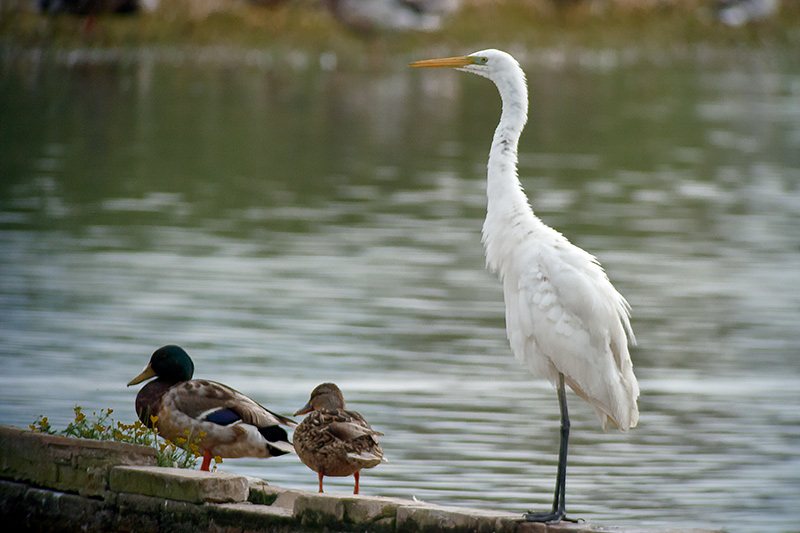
(508,213)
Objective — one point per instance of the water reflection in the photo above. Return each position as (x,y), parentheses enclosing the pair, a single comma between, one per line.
(290,226)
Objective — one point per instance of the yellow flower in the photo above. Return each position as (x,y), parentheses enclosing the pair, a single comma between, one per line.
(217,459)
(180,440)
(153,419)
(202,434)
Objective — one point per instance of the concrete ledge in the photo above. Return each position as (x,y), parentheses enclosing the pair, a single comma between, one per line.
(29,509)
(438,518)
(325,510)
(178,484)
(150,499)
(265,494)
(62,463)
(252,517)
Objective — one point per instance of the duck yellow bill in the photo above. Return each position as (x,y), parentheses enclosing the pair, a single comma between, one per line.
(461,61)
(146,374)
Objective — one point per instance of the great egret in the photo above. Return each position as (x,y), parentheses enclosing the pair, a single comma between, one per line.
(564,318)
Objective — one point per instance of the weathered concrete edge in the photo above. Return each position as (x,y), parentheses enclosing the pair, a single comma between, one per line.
(25,508)
(66,464)
(191,486)
(28,508)
(148,498)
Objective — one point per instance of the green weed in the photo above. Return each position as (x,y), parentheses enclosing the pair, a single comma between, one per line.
(181,454)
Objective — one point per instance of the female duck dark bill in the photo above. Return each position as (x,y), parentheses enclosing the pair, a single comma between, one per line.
(564,318)
(332,441)
(234,425)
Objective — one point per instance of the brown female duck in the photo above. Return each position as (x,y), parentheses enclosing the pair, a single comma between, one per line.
(332,441)
(233,424)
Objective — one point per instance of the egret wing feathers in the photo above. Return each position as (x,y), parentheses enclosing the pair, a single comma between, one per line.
(563,315)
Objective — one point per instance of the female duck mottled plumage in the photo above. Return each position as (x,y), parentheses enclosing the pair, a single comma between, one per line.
(333,441)
(234,425)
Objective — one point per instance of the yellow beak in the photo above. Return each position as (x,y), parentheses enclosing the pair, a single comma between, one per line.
(461,61)
(146,374)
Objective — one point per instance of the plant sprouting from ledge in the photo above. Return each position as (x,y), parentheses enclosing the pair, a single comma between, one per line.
(182,454)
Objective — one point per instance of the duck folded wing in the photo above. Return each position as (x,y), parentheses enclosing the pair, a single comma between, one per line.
(222,416)
(350,431)
(217,403)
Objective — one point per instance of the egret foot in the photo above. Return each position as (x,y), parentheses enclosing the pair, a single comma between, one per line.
(552,517)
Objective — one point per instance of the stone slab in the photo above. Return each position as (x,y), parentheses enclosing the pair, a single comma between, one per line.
(435,518)
(377,513)
(314,509)
(65,463)
(265,494)
(248,517)
(179,484)
(255,509)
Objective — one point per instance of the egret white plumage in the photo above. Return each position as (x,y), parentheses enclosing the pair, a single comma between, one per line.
(564,318)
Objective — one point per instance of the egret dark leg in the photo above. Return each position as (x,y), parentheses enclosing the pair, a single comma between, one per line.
(559,505)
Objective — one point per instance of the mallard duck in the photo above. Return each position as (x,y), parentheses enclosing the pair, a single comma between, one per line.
(332,441)
(233,424)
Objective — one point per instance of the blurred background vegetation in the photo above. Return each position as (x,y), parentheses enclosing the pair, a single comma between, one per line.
(324,25)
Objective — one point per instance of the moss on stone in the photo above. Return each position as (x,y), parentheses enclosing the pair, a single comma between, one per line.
(261,497)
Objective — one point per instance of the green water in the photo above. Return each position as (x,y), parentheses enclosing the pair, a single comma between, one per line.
(290,224)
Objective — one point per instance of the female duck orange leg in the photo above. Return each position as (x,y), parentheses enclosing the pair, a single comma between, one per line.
(356,475)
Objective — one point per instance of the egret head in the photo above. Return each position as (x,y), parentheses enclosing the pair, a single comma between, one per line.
(506,74)
(491,63)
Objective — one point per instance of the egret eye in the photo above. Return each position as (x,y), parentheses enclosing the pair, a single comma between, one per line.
(482,60)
